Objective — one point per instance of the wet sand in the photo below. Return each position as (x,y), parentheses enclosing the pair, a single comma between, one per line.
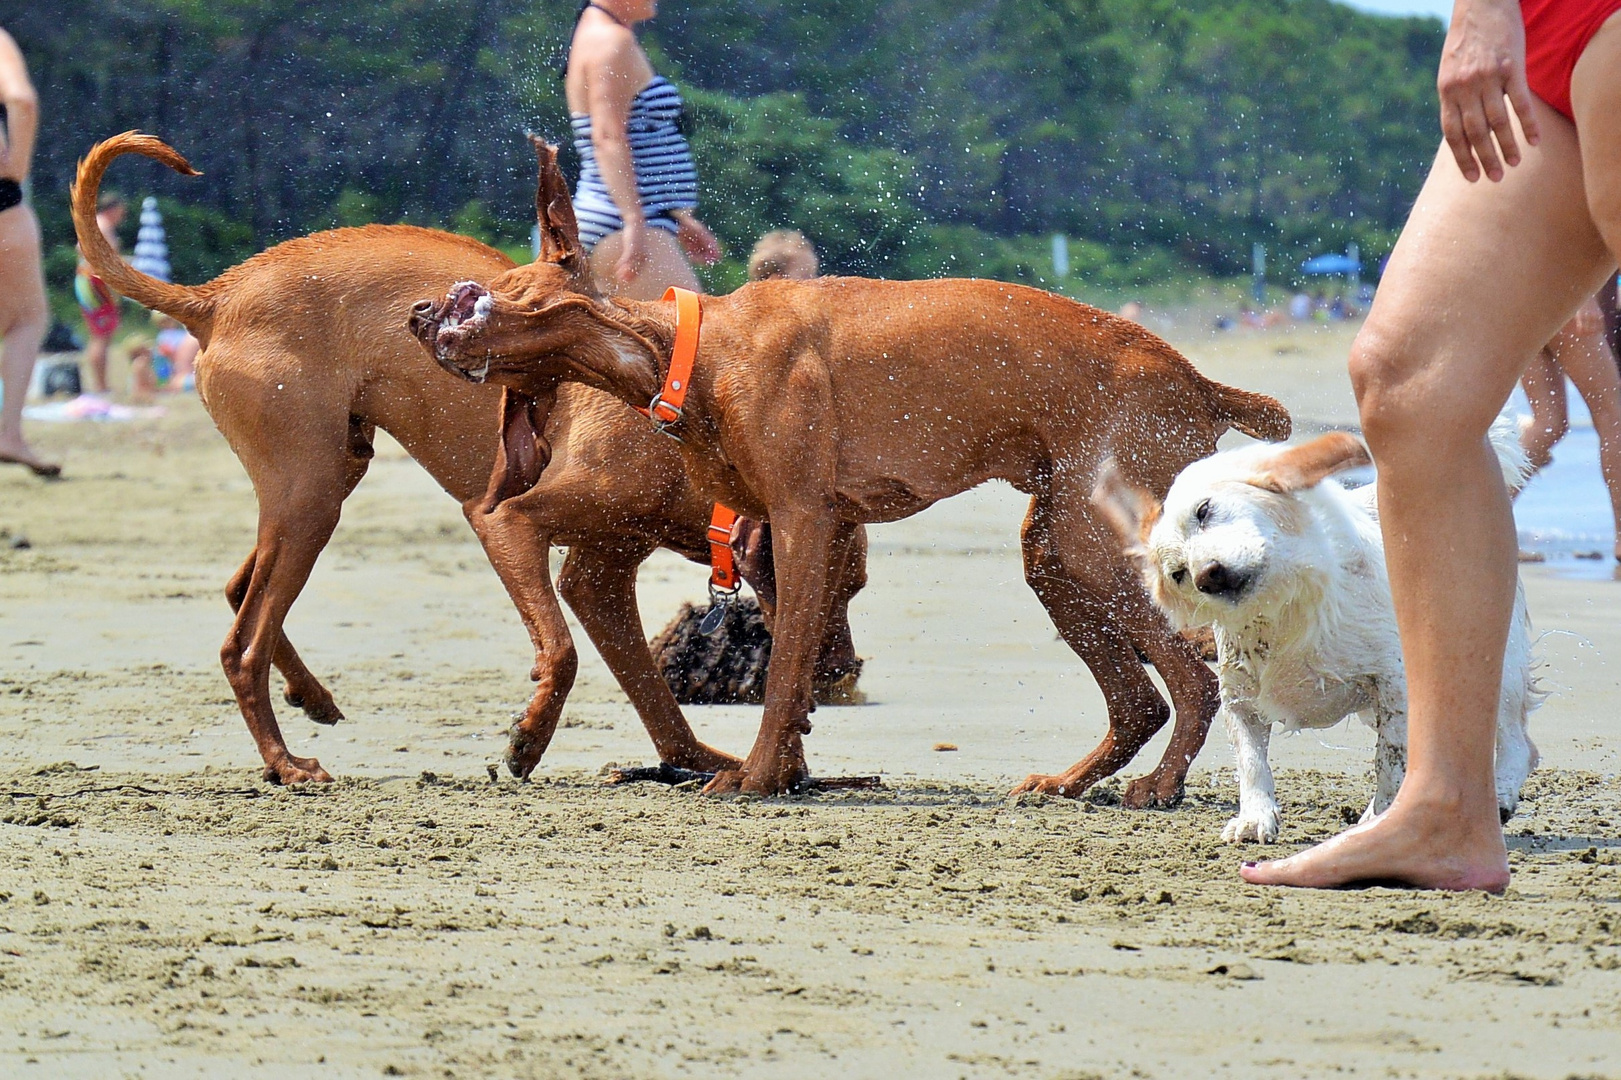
(164,912)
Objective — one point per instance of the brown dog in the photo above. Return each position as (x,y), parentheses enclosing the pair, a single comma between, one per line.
(305,354)
(820,405)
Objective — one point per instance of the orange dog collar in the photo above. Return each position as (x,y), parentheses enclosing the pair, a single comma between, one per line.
(722,569)
(665,408)
(665,411)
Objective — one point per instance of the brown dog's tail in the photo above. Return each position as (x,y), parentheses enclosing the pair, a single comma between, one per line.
(191,306)
(1256,415)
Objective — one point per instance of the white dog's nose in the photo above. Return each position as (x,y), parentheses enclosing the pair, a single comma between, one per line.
(1216,579)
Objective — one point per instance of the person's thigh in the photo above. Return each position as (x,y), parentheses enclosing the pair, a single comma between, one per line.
(1483,275)
(1595,96)
(22,286)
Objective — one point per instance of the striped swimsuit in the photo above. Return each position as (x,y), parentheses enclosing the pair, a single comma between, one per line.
(665,177)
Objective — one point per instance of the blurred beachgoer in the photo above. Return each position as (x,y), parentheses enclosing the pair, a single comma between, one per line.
(176,351)
(1481,278)
(148,372)
(783,253)
(24,315)
(1299,307)
(1133,310)
(638,186)
(98,302)
(1580,351)
(1607,302)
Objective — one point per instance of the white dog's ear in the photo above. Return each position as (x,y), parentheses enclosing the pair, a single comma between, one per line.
(1309,464)
(1130,510)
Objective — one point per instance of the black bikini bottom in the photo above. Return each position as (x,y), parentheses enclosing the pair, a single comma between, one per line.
(11,194)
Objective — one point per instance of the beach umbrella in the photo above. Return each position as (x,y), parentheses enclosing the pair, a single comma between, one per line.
(151,245)
(1332,263)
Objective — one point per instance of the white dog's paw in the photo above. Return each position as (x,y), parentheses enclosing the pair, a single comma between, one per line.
(1258,825)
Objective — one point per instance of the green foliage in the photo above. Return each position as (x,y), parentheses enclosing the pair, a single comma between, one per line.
(905,137)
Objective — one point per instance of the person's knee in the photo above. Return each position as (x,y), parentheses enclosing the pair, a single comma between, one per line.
(1400,406)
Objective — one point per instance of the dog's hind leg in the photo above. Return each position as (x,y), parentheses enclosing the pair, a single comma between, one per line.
(808,543)
(837,665)
(1097,603)
(600,586)
(1389,759)
(298,509)
(303,690)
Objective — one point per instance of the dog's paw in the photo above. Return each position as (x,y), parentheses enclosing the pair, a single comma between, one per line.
(296,770)
(1161,789)
(1256,826)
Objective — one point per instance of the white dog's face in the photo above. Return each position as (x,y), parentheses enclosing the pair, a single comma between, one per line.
(1233,539)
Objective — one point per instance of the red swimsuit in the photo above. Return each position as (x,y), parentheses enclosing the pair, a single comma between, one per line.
(1556,32)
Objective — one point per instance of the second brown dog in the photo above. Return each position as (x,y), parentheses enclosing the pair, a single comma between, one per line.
(822,405)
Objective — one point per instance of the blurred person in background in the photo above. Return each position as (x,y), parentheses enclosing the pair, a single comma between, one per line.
(98,302)
(638,185)
(24,314)
(1581,350)
(783,253)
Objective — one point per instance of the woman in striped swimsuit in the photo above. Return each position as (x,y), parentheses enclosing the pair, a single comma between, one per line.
(637,187)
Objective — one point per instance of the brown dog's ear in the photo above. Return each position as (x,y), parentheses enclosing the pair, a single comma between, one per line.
(554,211)
(1309,464)
(524,452)
(1130,510)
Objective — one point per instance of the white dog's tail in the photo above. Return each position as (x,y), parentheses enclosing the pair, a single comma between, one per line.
(1505,439)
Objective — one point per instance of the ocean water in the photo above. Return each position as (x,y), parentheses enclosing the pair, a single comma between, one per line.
(1565,510)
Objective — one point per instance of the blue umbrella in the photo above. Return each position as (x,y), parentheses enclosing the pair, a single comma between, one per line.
(1331,264)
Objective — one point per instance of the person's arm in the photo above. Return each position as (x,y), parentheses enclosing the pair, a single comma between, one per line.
(1482,62)
(610,90)
(22,111)
(696,239)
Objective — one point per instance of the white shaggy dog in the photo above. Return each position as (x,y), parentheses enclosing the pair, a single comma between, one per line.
(1288,567)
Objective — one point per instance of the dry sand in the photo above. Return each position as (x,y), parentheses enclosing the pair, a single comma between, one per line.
(164,912)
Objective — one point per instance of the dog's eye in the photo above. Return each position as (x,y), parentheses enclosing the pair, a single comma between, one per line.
(1201,513)
(1179,575)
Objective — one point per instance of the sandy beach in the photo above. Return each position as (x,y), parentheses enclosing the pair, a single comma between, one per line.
(163,912)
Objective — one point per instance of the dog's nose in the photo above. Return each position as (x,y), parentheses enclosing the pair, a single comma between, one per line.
(1215,579)
(421,312)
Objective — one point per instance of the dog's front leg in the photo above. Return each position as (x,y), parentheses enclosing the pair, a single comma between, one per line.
(1258,819)
(519,547)
(807,543)
(1389,759)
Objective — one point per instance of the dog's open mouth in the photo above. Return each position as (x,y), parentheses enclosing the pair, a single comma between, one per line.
(448,328)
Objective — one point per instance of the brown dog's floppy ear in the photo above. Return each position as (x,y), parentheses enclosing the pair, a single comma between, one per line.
(524,452)
(554,211)
(1309,464)
(1130,510)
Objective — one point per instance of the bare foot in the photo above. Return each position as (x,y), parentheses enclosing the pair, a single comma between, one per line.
(1425,845)
(296,770)
(20,453)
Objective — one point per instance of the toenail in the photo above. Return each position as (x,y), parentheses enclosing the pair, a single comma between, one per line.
(1248,865)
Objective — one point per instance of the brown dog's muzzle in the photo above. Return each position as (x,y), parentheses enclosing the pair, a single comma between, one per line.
(447,328)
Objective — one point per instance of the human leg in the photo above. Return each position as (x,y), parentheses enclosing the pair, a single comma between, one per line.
(1544,386)
(1595,94)
(1482,277)
(1587,359)
(23,319)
